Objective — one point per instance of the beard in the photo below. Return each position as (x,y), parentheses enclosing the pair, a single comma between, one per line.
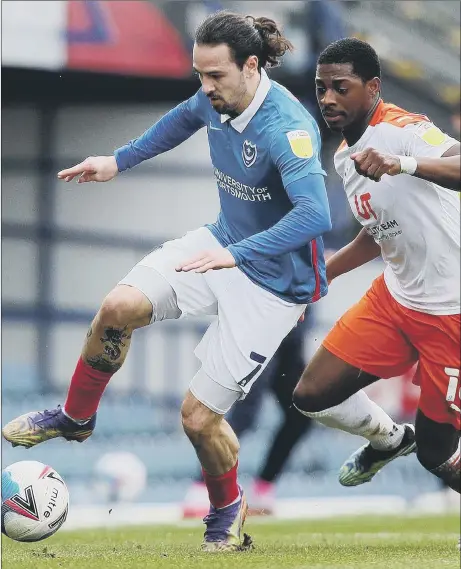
(223,107)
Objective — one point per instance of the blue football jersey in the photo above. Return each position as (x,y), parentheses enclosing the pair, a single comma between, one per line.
(270,181)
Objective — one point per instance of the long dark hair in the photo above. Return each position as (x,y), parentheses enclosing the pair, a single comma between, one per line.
(245,36)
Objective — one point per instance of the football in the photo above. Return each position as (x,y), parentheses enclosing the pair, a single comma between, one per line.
(35,501)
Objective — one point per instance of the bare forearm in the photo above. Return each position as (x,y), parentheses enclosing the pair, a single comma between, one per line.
(355,254)
(445,171)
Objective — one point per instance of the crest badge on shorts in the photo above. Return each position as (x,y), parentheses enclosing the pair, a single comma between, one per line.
(249,153)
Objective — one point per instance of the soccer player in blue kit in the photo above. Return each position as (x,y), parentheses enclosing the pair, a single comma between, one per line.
(265,150)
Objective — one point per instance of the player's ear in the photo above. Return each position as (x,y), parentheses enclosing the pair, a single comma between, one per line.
(250,66)
(374,86)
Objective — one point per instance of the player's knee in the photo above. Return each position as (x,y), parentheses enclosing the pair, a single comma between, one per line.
(308,395)
(125,306)
(435,442)
(431,456)
(444,467)
(427,457)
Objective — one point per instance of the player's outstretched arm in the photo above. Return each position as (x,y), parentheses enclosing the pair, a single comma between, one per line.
(167,133)
(93,169)
(355,254)
(444,171)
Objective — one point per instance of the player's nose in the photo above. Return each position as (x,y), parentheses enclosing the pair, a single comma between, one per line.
(207,87)
(328,99)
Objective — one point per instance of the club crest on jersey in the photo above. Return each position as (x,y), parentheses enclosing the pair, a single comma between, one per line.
(249,153)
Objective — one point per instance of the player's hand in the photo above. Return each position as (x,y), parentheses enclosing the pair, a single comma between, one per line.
(203,262)
(93,169)
(372,164)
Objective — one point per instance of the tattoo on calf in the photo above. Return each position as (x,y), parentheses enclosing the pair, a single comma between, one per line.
(113,340)
(89,333)
(100,364)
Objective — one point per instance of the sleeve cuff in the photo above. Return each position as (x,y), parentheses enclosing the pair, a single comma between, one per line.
(122,157)
(234,252)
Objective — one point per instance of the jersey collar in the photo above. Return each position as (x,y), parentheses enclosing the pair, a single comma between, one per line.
(241,122)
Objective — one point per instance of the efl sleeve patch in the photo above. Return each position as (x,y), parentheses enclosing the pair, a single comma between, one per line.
(431,134)
(301,143)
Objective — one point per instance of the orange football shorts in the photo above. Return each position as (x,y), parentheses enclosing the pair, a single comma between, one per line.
(385,339)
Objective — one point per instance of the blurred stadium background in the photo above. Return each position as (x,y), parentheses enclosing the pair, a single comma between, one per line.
(81,78)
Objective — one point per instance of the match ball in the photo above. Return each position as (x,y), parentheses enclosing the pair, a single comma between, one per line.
(35,501)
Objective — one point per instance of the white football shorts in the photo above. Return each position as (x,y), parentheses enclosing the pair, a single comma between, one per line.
(250,325)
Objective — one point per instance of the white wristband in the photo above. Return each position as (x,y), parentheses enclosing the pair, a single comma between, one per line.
(408,165)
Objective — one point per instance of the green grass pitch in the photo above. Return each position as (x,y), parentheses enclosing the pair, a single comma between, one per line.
(358,543)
